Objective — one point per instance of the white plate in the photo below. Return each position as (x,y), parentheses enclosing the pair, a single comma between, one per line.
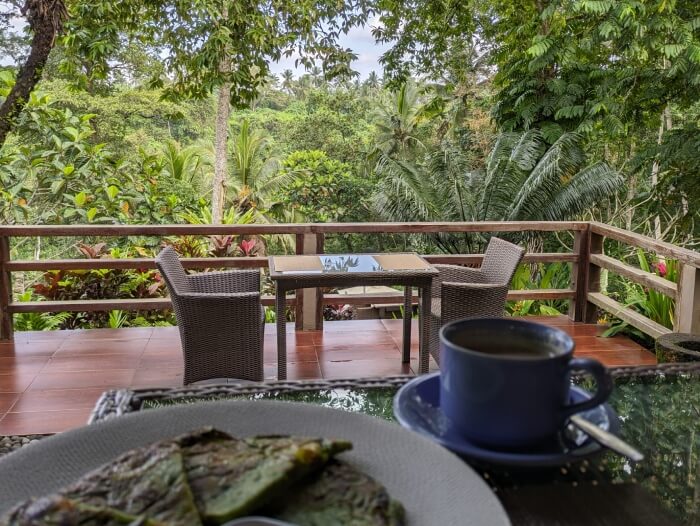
(434,485)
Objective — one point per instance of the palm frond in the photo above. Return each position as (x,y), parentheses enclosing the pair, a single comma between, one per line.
(584,191)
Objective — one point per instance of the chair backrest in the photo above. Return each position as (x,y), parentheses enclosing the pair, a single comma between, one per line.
(500,260)
(172,271)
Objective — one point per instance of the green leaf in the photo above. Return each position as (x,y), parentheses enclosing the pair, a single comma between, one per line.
(91,213)
(112,192)
(80,199)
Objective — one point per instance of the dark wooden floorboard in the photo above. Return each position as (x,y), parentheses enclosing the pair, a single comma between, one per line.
(49,381)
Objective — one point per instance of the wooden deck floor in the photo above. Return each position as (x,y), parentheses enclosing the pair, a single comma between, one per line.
(49,381)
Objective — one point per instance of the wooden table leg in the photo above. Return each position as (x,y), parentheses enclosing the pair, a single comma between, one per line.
(407,315)
(424,350)
(281,318)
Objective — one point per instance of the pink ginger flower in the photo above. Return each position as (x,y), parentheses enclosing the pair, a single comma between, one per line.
(661,268)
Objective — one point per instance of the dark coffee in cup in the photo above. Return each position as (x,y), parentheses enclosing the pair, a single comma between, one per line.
(504,382)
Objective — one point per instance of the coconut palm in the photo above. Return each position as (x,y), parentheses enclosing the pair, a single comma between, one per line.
(254,177)
(288,81)
(397,118)
(373,82)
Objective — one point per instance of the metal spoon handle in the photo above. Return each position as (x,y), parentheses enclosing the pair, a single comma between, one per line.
(606,439)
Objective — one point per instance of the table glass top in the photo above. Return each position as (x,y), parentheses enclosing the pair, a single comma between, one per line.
(348,263)
(659,414)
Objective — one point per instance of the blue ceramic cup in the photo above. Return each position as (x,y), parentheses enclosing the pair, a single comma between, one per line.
(504,383)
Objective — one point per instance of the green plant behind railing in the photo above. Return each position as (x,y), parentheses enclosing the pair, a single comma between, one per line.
(552,276)
(651,303)
(38,321)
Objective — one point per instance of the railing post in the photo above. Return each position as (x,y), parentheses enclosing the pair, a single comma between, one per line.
(585,277)
(309,304)
(687,318)
(579,270)
(595,246)
(6,328)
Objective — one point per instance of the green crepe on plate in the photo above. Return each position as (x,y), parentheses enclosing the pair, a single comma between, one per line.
(340,494)
(59,511)
(231,478)
(147,481)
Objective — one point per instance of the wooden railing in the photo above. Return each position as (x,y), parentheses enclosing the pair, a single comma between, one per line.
(583,293)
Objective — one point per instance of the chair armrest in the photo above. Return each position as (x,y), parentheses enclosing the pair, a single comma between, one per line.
(457,274)
(214,296)
(472,300)
(229,281)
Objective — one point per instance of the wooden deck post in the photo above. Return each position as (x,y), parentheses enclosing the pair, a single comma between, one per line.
(6,328)
(309,306)
(579,275)
(687,317)
(595,246)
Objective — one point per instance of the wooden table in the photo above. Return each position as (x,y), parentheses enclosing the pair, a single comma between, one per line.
(343,270)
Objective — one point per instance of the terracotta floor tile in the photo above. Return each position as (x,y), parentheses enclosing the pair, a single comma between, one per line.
(106,379)
(7,400)
(305,353)
(163,345)
(364,368)
(90,362)
(160,333)
(30,348)
(57,400)
(340,340)
(46,336)
(22,364)
(81,348)
(354,325)
(160,361)
(134,333)
(15,383)
(171,377)
(295,371)
(368,352)
(43,421)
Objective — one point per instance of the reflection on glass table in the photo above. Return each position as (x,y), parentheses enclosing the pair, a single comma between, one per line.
(660,414)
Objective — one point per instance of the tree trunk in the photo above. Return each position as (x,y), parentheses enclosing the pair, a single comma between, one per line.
(666,124)
(45,18)
(218,194)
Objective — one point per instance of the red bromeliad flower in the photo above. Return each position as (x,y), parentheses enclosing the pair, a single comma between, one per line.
(661,268)
(247,246)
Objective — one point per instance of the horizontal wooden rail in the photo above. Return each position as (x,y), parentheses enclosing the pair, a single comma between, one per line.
(637,275)
(267,300)
(683,255)
(587,259)
(237,262)
(132,263)
(632,317)
(289,228)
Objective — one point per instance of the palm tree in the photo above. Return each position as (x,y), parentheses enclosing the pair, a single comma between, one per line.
(317,77)
(373,82)
(254,178)
(288,81)
(524,180)
(398,118)
(182,164)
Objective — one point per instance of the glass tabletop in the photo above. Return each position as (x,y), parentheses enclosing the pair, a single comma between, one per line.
(660,414)
(348,263)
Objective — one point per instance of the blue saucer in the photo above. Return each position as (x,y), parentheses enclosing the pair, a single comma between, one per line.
(417,407)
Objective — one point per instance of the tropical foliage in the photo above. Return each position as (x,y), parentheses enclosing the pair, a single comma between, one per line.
(167,112)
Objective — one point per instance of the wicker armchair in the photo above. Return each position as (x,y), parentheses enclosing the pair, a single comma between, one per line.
(220,318)
(461,292)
